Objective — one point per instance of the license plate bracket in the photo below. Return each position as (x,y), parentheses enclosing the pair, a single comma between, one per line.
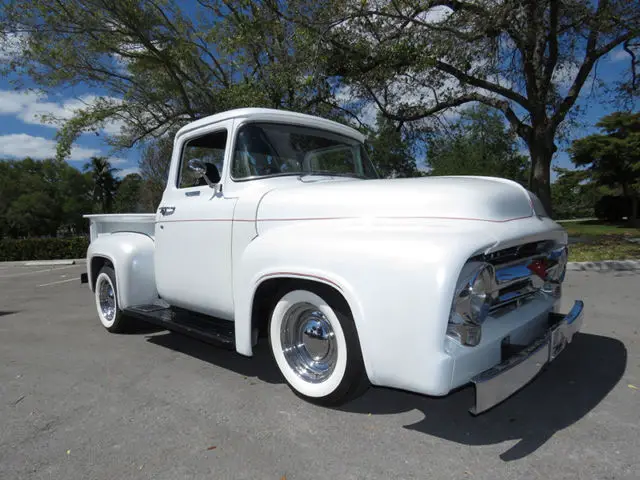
(557,341)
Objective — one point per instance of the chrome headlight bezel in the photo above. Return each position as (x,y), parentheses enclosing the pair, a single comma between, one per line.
(475,293)
(560,257)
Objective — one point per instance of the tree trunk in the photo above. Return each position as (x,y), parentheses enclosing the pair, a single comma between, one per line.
(540,175)
(634,212)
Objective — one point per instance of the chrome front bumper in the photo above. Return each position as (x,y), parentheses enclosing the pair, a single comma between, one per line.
(498,383)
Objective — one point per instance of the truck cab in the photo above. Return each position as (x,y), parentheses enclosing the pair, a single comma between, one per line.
(276,224)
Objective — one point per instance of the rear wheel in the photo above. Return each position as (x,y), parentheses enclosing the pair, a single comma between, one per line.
(315,344)
(106,295)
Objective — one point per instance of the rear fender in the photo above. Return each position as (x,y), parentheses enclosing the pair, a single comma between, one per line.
(132,257)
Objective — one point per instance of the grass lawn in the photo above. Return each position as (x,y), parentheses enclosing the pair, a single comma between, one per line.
(602,241)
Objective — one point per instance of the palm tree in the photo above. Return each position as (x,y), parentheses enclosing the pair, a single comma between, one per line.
(105,183)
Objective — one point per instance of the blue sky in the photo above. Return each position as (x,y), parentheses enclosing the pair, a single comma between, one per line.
(23,133)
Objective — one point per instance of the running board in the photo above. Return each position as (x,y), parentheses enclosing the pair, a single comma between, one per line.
(203,327)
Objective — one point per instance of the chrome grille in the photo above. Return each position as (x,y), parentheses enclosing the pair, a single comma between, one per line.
(523,271)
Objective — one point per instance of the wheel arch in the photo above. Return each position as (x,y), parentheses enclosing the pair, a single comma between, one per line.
(131,256)
(271,287)
(265,294)
(95,265)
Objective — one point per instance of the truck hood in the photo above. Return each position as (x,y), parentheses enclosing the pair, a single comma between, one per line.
(464,198)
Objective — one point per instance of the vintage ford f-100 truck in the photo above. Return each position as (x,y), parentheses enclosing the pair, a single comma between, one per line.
(276,224)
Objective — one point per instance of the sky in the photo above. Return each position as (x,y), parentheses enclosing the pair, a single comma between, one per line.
(24,133)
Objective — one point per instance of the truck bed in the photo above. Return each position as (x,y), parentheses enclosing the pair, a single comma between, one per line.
(102,224)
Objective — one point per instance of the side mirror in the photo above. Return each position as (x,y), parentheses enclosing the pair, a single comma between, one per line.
(200,168)
(197,166)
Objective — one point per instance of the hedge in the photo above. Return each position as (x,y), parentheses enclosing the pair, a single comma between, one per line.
(43,248)
(613,208)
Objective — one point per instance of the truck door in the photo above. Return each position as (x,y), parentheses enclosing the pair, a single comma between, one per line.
(194,227)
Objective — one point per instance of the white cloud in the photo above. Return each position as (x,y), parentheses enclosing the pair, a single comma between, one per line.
(127,171)
(621,56)
(365,111)
(117,160)
(30,107)
(20,145)
(11,45)
(564,74)
(435,14)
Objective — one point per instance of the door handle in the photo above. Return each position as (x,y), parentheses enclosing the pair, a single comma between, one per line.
(167,210)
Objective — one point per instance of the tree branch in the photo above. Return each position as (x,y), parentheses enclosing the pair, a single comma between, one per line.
(627,48)
(521,128)
(552,59)
(591,56)
(478,82)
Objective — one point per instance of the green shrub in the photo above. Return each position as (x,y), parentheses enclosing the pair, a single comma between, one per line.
(613,208)
(43,248)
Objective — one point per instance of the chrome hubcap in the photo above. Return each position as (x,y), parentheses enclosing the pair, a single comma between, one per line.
(107,300)
(308,342)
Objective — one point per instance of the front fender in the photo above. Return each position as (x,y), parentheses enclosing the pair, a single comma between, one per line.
(132,256)
(397,279)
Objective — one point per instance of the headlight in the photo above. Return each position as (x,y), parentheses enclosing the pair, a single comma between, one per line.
(556,272)
(474,295)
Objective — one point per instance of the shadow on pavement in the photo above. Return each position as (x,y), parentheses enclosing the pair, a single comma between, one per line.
(579,379)
(6,312)
(570,387)
(261,365)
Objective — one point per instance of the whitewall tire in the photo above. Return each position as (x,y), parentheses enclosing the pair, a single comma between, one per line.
(106,295)
(315,344)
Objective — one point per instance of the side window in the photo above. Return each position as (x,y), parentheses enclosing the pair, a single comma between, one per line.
(209,149)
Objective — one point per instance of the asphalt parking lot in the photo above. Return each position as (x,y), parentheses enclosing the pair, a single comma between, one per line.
(79,403)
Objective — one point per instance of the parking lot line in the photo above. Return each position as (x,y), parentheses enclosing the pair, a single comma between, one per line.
(12,275)
(59,281)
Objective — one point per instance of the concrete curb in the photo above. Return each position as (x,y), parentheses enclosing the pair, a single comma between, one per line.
(45,263)
(604,265)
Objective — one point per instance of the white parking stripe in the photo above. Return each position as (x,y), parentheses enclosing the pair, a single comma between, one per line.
(38,271)
(59,281)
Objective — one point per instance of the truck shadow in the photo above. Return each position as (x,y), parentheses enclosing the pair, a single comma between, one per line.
(569,389)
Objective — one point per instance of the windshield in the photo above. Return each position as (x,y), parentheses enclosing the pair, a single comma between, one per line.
(267,149)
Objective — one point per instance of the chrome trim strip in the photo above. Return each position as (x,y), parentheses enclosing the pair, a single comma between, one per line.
(500,382)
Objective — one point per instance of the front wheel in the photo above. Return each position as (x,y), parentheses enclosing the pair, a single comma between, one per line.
(315,344)
(106,295)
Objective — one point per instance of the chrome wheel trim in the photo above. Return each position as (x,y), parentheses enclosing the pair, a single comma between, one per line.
(308,342)
(107,299)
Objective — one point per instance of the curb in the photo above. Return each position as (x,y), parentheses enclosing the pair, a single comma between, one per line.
(604,266)
(45,263)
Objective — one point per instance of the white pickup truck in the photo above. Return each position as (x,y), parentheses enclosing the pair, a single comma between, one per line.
(276,224)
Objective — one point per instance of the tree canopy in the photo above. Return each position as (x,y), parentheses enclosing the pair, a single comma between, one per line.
(392,149)
(478,143)
(105,183)
(159,66)
(42,198)
(160,63)
(49,197)
(612,158)
(528,59)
